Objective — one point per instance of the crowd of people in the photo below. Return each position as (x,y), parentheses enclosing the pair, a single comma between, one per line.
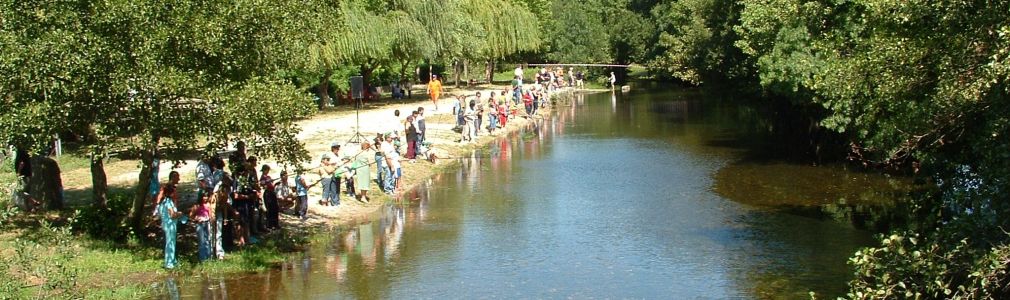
(470,110)
(234,206)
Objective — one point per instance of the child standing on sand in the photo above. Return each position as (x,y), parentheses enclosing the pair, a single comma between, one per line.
(469,118)
(170,218)
(200,214)
(330,188)
(503,108)
(457,110)
(479,111)
(347,173)
(302,189)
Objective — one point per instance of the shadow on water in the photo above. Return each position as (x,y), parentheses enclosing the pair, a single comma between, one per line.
(864,200)
(773,169)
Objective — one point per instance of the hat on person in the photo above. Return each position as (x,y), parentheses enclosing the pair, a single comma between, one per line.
(335,144)
(325,157)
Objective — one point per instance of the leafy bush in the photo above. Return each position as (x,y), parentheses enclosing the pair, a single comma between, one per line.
(909,266)
(106,223)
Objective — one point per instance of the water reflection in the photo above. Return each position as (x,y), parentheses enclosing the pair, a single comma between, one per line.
(649,196)
(862,199)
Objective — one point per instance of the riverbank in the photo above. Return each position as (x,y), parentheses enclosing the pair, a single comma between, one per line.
(127,270)
(444,142)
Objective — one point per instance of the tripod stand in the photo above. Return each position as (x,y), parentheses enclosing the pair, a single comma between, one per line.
(357,138)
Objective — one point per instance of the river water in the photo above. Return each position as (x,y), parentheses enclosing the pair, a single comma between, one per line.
(667,194)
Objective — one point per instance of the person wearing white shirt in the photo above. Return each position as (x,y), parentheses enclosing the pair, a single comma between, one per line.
(519,73)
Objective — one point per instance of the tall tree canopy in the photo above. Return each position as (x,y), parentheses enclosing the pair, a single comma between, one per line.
(152,77)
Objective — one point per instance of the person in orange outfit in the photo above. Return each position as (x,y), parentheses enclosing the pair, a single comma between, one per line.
(435,90)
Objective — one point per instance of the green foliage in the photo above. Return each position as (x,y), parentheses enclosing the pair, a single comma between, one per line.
(7,209)
(636,35)
(696,41)
(501,29)
(780,35)
(263,113)
(153,77)
(540,8)
(40,267)
(576,34)
(105,222)
(908,266)
(914,85)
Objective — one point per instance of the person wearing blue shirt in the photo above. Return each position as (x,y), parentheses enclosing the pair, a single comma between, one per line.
(302,190)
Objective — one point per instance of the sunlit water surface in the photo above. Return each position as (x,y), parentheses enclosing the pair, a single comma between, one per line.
(639,195)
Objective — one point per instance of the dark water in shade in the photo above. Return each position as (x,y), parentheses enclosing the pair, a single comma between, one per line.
(642,195)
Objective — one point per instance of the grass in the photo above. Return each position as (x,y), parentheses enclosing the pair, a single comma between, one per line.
(121,270)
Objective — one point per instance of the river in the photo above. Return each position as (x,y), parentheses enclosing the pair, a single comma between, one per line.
(650,194)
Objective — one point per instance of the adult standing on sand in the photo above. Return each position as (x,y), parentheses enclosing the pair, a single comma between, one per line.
(421,128)
(435,90)
(519,74)
(363,181)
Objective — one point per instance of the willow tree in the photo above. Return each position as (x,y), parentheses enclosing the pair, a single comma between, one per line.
(361,38)
(411,41)
(323,57)
(503,28)
(449,27)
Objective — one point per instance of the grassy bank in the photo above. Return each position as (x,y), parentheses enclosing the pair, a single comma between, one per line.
(55,255)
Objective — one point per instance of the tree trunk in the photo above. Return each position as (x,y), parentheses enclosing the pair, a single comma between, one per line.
(366,75)
(455,72)
(141,191)
(323,89)
(403,74)
(404,83)
(99,182)
(489,71)
(466,72)
(45,185)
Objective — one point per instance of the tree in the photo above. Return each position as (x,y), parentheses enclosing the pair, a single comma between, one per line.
(915,86)
(502,29)
(153,77)
(697,42)
(42,73)
(577,35)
